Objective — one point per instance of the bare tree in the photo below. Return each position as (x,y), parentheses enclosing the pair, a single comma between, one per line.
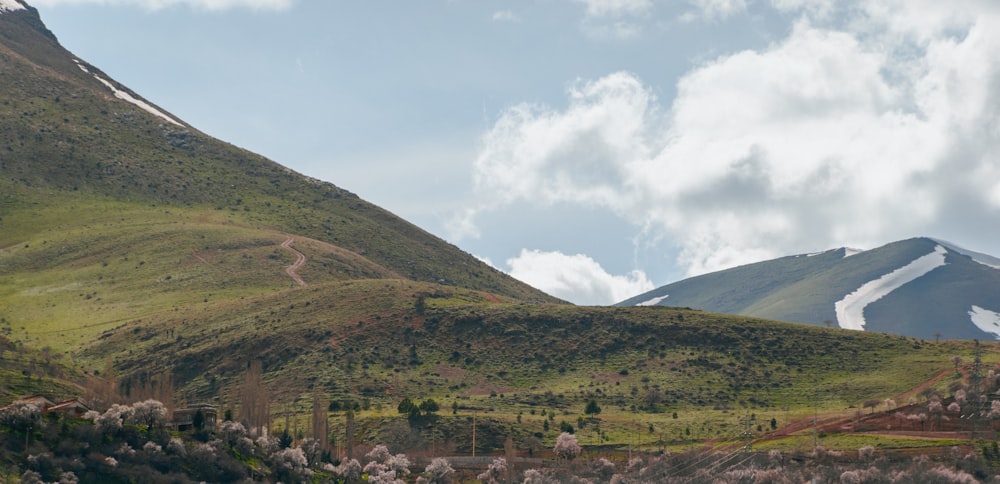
(320,425)
(936,409)
(254,402)
(872,403)
(349,433)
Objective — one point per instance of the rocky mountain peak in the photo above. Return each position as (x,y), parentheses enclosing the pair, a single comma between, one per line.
(20,13)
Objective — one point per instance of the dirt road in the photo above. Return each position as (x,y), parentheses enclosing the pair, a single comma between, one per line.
(300,260)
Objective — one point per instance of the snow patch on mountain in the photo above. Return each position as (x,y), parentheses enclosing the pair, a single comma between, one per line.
(849,252)
(654,301)
(10,6)
(986,320)
(986,260)
(850,310)
(128,97)
(81,66)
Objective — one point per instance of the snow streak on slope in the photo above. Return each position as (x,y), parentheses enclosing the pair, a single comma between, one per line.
(143,105)
(124,96)
(851,309)
(654,301)
(81,66)
(986,320)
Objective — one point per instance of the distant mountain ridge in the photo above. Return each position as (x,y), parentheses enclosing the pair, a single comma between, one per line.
(921,287)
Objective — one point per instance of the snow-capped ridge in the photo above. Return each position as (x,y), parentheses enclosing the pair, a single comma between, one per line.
(849,251)
(984,259)
(10,6)
(850,309)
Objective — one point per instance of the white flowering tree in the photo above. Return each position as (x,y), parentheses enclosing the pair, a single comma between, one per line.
(151,413)
(535,476)
(439,471)
(349,471)
(865,453)
(384,467)
(567,447)
(113,418)
(495,472)
(20,417)
(994,409)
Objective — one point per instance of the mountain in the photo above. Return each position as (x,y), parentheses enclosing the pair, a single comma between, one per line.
(71,134)
(920,287)
(115,212)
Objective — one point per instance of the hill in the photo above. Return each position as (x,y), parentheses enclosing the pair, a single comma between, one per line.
(919,287)
(73,132)
(94,180)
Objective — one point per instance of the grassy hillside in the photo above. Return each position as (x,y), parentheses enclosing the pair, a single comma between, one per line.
(27,371)
(63,132)
(378,341)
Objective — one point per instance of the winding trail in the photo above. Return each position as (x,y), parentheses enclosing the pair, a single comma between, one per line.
(300,260)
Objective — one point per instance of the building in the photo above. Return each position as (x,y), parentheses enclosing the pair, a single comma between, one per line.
(71,408)
(184,418)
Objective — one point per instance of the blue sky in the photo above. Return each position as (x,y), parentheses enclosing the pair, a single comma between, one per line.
(595,148)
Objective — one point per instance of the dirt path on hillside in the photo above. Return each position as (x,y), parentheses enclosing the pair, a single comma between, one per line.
(919,388)
(300,260)
(830,422)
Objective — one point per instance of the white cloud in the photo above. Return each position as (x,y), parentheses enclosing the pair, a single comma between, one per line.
(505,16)
(715,9)
(616,30)
(616,8)
(212,5)
(578,155)
(855,135)
(614,19)
(576,278)
(814,8)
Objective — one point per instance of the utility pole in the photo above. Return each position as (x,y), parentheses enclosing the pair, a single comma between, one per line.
(747,436)
(815,414)
(630,442)
(976,382)
(473,435)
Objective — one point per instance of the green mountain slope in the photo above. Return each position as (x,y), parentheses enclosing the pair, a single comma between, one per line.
(387,339)
(64,130)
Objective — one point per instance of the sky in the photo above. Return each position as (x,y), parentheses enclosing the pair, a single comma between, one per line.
(595,149)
